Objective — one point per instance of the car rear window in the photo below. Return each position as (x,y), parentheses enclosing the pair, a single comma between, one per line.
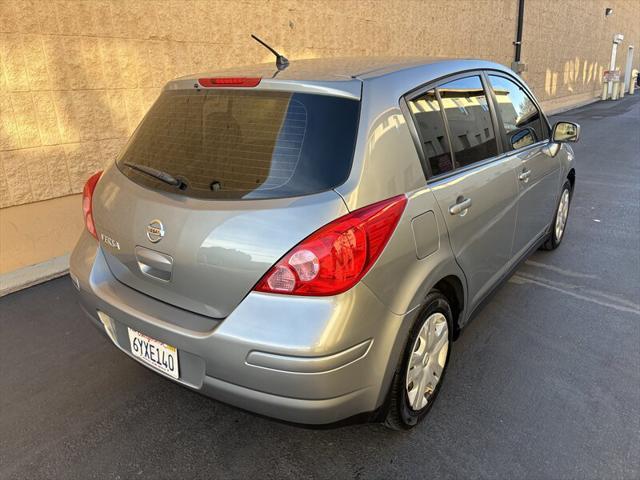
(470,126)
(431,128)
(244,144)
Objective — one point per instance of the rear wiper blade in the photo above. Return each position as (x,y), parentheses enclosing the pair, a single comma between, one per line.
(155,173)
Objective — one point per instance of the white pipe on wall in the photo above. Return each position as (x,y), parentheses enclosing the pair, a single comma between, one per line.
(612,65)
(627,71)
(617,38)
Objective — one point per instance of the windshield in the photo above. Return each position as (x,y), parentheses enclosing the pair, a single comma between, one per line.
(244,144)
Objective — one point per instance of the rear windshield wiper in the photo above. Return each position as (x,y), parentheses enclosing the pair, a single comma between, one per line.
(159,174)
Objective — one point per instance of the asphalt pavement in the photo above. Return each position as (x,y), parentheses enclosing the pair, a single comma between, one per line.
(544,383)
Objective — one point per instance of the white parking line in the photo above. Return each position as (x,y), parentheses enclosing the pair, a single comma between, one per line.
(611,302)
(568,273)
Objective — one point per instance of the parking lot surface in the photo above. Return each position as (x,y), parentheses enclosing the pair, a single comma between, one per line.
(544,383)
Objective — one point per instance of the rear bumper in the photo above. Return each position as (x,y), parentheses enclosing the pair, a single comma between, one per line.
(303,360)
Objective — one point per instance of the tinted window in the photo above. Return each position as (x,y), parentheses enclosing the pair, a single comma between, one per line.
(472,135)
(430,125)
(520,117)
(245,144)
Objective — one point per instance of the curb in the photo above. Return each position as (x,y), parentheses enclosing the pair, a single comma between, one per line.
(33,274)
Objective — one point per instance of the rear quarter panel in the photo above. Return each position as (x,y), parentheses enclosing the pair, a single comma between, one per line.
(386,164)
(405,273)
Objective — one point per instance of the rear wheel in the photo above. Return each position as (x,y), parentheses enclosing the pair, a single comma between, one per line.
(418,378)
(559,225)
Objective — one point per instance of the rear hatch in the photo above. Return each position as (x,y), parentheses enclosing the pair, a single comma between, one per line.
(246,175)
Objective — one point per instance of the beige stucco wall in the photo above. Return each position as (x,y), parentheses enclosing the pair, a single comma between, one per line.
(37,232)
(77,76)
(567,46)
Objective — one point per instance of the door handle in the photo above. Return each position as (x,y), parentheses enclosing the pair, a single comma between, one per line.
(460,207)
(524,176)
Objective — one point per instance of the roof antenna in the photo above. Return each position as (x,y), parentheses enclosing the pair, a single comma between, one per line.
(281,60)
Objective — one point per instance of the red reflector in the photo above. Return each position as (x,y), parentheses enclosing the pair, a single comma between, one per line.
(87,202)
(230,82)
(335,257)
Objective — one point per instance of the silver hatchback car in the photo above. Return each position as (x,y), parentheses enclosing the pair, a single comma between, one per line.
(306,243)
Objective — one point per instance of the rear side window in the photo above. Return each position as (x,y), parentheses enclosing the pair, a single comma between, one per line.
(430,124)
(467,112)
(520,117)
(244,144)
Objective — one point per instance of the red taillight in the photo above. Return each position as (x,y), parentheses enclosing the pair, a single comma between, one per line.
(337,256)
(230,82)
(87,199)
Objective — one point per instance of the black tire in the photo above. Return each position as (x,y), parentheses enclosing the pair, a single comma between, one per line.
(552,242)
(400,415)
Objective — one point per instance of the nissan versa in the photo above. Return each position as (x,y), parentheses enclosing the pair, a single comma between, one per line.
(307,242)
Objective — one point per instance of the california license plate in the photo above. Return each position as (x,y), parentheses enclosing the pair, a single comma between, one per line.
(157,354)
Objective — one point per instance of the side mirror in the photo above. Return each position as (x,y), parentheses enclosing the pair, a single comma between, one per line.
(565,132)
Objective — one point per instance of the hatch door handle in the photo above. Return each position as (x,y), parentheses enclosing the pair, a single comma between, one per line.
(460,207)
(154,264)
(524,175)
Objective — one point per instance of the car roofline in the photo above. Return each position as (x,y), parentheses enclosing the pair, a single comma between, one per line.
(341,82)
(351,88)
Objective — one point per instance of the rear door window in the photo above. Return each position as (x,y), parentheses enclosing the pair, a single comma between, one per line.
(468,115)
(521,119)
(244,144)
(431,130)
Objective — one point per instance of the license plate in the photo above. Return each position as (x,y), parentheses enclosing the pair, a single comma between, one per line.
(157,354)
